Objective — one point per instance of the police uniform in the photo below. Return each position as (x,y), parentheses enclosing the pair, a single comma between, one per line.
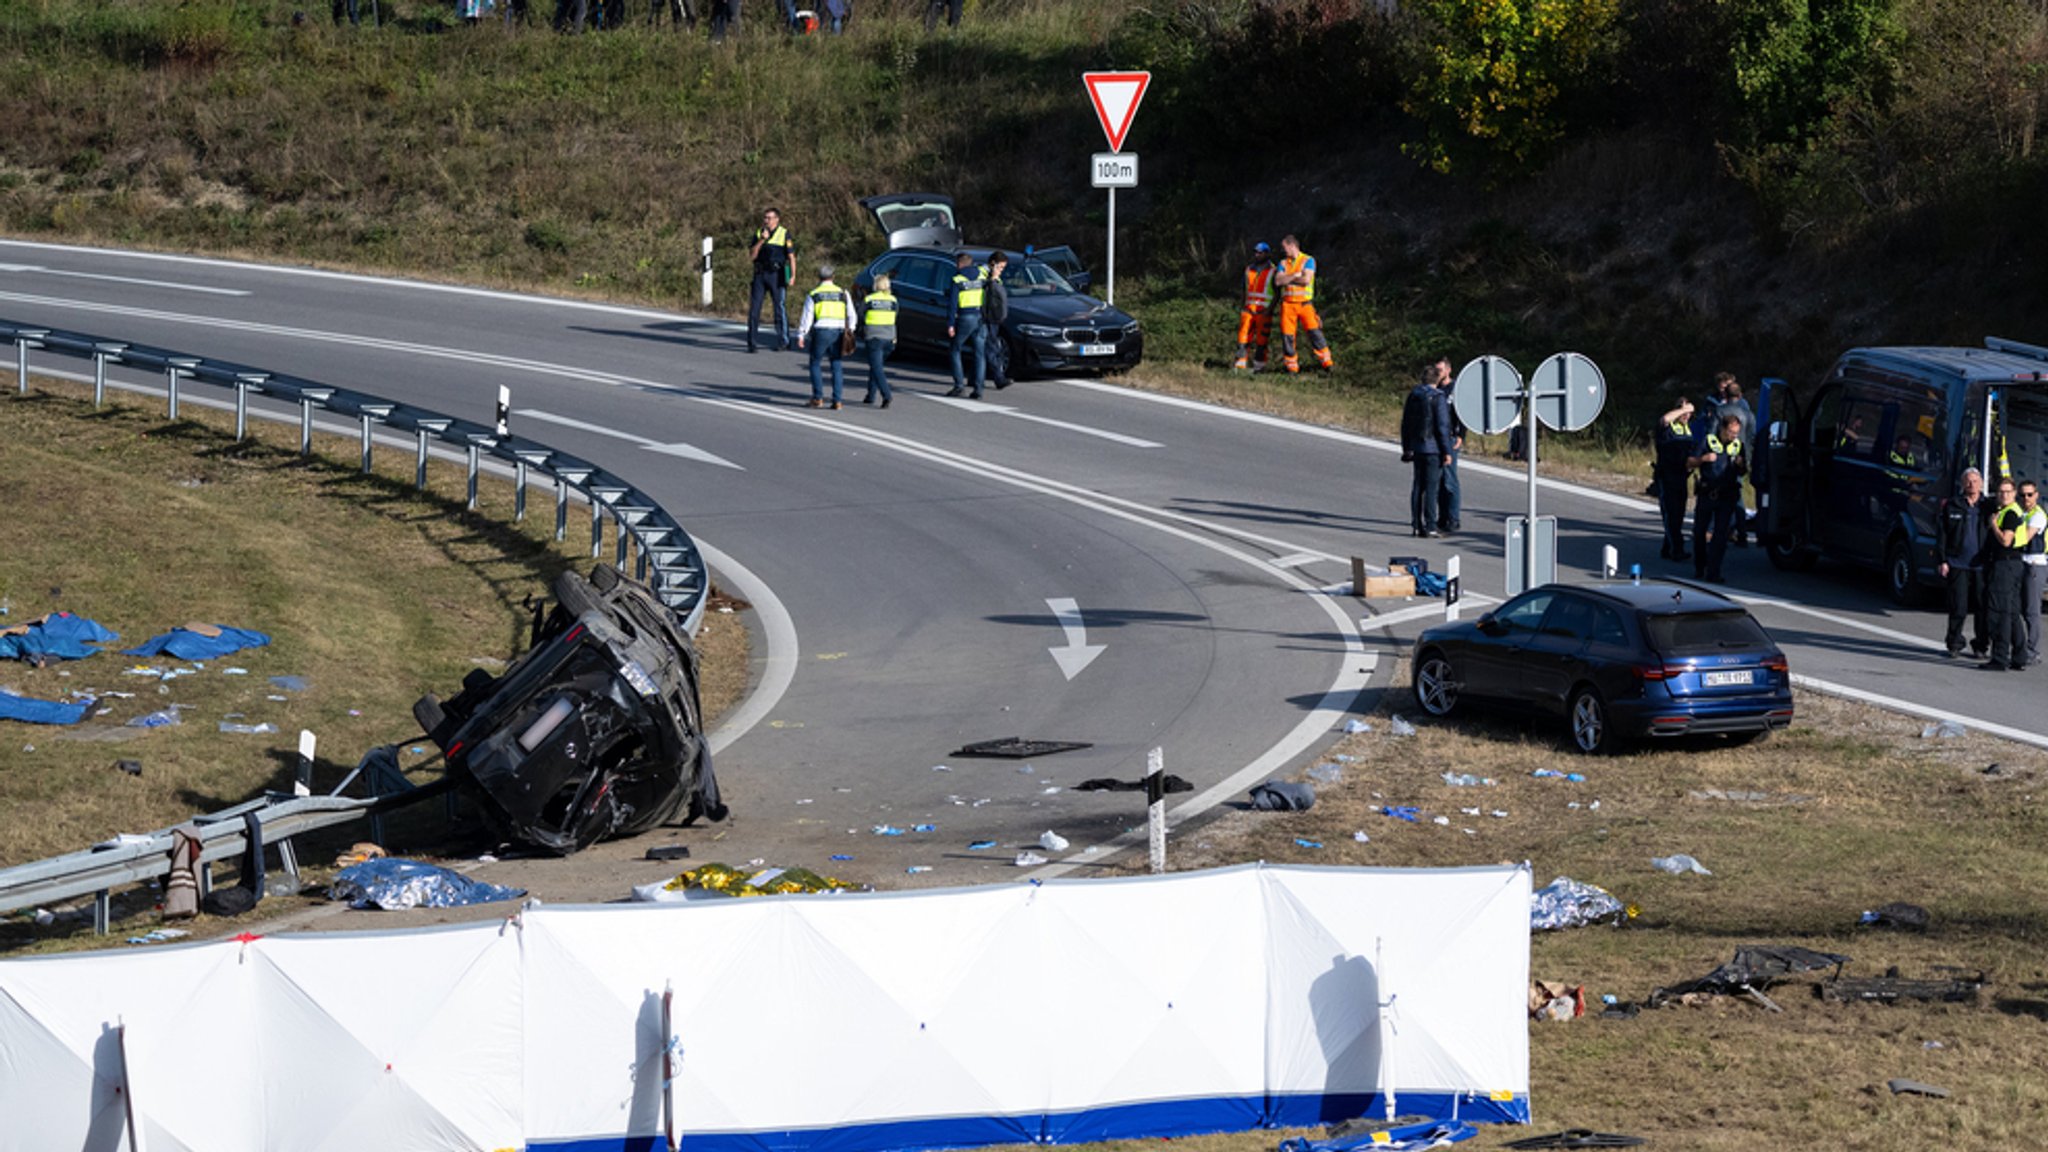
(1720,497)
(771,279)
(2008,577)
(2034,555)
(828,316)
(1675,444)
(963,316)
(878,320)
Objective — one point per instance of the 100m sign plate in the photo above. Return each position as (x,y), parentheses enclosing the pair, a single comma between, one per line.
(1115,169)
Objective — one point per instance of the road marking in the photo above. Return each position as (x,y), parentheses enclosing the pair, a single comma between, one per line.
(1297,560)
(1839,621)
(1895,704)
(686,451)
(1078,653)
(123,280)
(1389,619)
(967,405)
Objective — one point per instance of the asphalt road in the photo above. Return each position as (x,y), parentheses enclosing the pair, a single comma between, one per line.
(929,575)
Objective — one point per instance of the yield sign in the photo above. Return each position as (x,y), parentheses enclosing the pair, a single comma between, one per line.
(1116,96)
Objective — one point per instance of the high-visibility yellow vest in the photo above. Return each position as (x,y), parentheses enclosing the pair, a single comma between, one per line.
(1680,428)
(829,305)
(1731,448)
(1302,291)
(970,289)
(1258,288)
(880,316)
(2019,536)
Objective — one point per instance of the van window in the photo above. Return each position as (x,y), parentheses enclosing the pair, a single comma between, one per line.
(1857,437)
(1916,420)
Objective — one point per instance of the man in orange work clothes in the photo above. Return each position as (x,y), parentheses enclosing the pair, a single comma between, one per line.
(1255,322)
(1297,280)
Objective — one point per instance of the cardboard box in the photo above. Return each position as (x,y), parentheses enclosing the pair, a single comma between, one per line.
(1392,584)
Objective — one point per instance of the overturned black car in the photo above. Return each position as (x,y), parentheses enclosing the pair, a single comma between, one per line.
(594,732)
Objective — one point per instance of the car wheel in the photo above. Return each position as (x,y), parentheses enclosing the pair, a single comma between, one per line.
(1592,731)
(1436,684)
(1900,581)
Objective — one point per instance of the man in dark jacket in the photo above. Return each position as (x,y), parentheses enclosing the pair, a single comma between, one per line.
(993,310)
(1720,461)
(1962,549)
(1425,438)
(1676,444)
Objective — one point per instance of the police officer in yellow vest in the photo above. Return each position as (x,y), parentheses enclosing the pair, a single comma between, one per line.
(878,323)
(827,321)
(774,258)
(2005,548)
(963,320)
(2033,554)
(1720,462)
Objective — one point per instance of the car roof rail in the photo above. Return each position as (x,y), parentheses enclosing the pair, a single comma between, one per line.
(2000,344)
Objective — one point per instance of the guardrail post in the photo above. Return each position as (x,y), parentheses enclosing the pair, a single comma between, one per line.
(519,492)
(619,531)
(427,429)
(561,509)
(175,367)
(640,564)
(596,527)
(305,426)
(245,383)
(368,420)
(101,353)
(24,339)
(371,414)
(473,451)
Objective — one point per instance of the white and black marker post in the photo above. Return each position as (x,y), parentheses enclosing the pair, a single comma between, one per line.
(1155,806)
(302,781)
(504,410)
(707,272)
(1451,587)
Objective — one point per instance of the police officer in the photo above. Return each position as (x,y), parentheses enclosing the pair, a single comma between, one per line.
(1963,533)
(2033,554)
(774,260)
(878,321)
(2008,540)
(995,308)
(1676,445)
(1720,462)
(827,319)
(963,320)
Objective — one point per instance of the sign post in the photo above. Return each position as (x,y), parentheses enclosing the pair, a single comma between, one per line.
(1115,96)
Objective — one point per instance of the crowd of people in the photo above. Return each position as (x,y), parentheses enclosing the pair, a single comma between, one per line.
(1994,561)
(1707,453)
(799,16)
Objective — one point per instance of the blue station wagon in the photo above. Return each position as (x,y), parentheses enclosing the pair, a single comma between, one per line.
(1616,660)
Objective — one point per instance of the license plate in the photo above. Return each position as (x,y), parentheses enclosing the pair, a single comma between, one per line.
(1098,349)
(1724,679)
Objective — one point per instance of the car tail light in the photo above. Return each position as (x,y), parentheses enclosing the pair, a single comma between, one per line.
(1660,671)
(455,750)
(1777,663)
(573,634)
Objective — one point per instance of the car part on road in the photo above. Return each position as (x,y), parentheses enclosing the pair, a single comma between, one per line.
(1754,968)
(1890,988)
(1018,748)
(1577,1138)
(594,732)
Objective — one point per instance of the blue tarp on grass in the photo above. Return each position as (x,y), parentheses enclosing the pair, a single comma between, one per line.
(186,644)
(58,636)
(30,710)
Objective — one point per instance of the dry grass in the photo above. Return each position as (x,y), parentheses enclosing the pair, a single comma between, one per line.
(372,593)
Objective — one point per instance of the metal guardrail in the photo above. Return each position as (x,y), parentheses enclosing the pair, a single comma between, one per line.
(662,553)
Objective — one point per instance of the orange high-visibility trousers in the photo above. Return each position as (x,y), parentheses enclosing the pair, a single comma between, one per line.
(1254,327)
(1300,316)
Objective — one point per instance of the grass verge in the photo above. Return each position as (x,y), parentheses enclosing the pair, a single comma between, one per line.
(373,594)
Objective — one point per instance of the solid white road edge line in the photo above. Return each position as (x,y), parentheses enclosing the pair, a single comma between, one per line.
(1895,704)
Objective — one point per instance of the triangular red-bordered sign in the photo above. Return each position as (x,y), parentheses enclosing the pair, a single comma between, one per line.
(1115,96)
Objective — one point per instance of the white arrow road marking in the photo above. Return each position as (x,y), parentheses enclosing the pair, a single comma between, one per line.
(967,405)
(1078,653)
(122,280)
(686,451)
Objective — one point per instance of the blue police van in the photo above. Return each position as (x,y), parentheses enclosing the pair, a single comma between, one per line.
(1856,472)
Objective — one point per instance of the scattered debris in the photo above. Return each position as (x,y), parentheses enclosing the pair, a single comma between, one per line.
(163,718)
(1399,726)
(1104,784)
(1327,773)
(1757,799)
(1890,988)
(668,852)
(1946,730)
(1554,774)
(1301,843)
(1283,796)
(1679,865)
(1568,903)
(58,636)
(1053,842)
(30,710)
(1361,837)
(917,869)
(1577,1138)
(1901,1087)
(1754,968)
(1441,821)
(981,845)
(357,853)
(1398,1136)
(924,828)
(886,830)
(1354,727)
(1899,915)
(131,767)
(1018,748)
(1467,780)
(264,729)
(289,683)
(1549,1000)
(1029,859)
(1403,812)
(709,881)
(159,935)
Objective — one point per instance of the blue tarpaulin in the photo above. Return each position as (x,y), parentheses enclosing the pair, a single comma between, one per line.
(392,883)
(58,636)
(30,710)
(194,643)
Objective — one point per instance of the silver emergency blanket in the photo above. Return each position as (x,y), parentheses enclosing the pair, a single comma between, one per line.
(392,883)
(1566,903)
